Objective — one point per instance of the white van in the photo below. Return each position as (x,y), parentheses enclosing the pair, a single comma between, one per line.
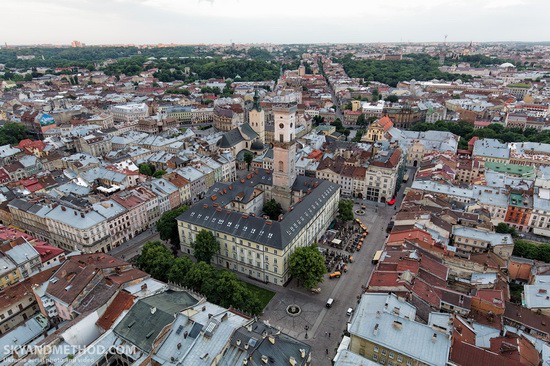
(329,302)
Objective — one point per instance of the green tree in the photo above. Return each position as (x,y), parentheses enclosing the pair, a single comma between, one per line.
(503,228)
(361,120)
(205,246)
(179,269)
(307,265)
(198,276)
(147,169)
(248,157)
(167,225)
(156,260)
(318,120)
(345,210)
(273,209)
(392,98)
(12,133)
(159,173)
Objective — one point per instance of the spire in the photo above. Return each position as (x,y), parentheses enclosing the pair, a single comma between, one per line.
(256,104)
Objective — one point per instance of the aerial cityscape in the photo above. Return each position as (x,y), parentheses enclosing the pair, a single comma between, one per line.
(238,183)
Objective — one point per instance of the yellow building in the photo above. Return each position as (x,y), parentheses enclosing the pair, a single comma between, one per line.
(252,244)
(355,105)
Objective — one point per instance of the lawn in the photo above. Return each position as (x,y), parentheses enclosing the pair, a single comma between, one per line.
(264,295)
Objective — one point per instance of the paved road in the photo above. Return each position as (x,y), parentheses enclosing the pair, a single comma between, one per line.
(132,247)
(320,320)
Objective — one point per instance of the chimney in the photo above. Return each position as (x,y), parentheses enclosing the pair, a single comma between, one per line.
(434,338)
(375,331)
(271,339)
(397,324)
(82,214)
(302,353)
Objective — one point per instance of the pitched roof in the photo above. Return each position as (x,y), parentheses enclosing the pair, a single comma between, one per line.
(122,301)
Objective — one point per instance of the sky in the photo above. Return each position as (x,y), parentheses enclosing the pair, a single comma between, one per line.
(266,21)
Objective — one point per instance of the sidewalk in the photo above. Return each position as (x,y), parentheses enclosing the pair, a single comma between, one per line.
(135,241)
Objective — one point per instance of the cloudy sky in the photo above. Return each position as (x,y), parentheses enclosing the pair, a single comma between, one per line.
(277,21)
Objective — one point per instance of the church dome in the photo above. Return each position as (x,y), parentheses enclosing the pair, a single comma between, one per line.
(506,65)
(257,145)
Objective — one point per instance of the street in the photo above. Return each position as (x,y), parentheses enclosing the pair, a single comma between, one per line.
(132,247)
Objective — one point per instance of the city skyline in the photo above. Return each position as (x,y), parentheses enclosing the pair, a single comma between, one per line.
(246,21)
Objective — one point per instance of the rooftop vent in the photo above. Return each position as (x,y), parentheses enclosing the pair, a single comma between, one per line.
(397,324)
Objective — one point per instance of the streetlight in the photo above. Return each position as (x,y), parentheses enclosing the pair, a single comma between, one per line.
(306,327)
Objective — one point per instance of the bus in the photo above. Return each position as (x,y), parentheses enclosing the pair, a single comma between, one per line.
(376,257)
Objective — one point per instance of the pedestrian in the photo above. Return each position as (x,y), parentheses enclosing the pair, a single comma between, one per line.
(329,334)
(326,351)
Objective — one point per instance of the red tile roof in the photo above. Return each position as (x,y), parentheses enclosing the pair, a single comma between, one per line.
(122,301)
(47,252)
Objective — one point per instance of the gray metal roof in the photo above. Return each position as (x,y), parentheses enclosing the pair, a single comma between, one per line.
(149,316)
(276,234)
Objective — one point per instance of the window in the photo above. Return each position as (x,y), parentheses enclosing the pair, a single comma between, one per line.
(10,312)
(409,363)
(281,166)
(399,359)
(374,357)
(384,352)
(376,349)
(391,355)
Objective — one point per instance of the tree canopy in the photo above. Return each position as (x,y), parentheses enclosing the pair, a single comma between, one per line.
(156,260)
(248,157)
(205,246)
(307,265)
(273,209)
(529,250)
(345,210)
(147,169)
(218,285)
(167,225)
(12,133)
(497,131)
(417,66)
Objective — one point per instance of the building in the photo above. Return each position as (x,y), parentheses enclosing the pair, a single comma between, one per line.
(379,334)
(468,240)
(130,112)
(256,245)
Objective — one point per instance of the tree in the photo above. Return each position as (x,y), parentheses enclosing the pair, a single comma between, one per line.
(361,120)
(179,269)
(503,228)
(156,260)
(205,246)
(307,264)
(198,275)
(159,173)
(147,169)
(12,133)
(392,98)
(317,120)
(273,209)
(167,225)
(345,210)
(248,157)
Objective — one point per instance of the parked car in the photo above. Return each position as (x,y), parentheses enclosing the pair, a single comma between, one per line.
(316,290)
(349,312)
(391,202)
(335,274)
(329,302)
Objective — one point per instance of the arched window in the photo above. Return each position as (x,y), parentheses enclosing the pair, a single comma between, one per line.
(281,166)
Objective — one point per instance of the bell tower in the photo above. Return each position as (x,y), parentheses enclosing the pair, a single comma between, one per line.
(256,118)
(284,153)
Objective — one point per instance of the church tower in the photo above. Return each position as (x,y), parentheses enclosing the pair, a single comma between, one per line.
(256,118)
(284,153)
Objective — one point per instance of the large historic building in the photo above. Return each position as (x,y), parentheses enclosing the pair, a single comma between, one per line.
(249,242)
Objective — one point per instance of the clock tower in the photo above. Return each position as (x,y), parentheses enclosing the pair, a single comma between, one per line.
(284,153)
